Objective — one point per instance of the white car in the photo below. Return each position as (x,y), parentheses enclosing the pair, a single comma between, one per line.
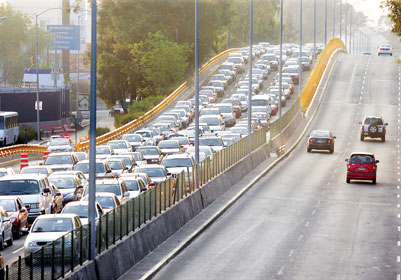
(385,49)
(60,144)
(48,228)
(80,208)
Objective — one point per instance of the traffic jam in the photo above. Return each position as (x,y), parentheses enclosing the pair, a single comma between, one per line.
(48,200)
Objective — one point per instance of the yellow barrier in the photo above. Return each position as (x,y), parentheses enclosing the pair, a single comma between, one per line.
(314,79)
(19,149)
(84,146)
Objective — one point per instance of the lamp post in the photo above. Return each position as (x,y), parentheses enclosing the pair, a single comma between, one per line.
(334,19)
(325,22)
(314,31)
(280,69)
(341,19)
(250,76)
(197,91)
(37,70)
(346,22)
(300,51)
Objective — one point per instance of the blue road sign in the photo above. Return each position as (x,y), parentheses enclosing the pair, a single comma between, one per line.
(66,37)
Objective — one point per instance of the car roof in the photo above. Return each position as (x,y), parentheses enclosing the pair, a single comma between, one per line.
(23,176)
(184,155)
(362,153)
(55,216)
(80,202)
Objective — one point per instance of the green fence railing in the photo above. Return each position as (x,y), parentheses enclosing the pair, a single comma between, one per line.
(279,124)
(56,259)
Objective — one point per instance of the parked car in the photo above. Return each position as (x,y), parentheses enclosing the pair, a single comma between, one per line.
(361,166)
(373,127)
(18,214)
(321,140)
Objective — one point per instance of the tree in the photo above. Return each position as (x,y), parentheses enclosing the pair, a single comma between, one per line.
(394,13)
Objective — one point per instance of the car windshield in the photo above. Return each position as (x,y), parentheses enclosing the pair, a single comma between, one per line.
(19,187)
(117,145)
(183,140)
(58,159)
(102,150)
(106,202)
(259,110)
(210,142)
(115,164)
(137,156)
(84,167)
(60,142)
(320,134)
(239,130)
(8,204)
(132,138)
(52,225)
(226,109)
(62,182)
(132,185)
(111,188)
(80,210)
(126,160)
(177,162)
(149,151)
(169,145)
(210,121)
(374,121)
(290,70)
(35,170)
(152,172)
(145,134)
(259,102)
(363,159)
(81,156)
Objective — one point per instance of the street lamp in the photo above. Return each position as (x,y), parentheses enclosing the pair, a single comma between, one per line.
(250,75)
(37,70)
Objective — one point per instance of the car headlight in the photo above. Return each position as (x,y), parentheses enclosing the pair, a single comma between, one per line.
(34,205)
(154,160)
(30,244)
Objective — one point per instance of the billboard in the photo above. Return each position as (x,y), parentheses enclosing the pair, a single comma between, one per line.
(66,37)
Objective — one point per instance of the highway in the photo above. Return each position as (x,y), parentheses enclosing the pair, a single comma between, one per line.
(302,220)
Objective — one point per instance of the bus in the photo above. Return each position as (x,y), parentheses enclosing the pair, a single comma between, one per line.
(9,128)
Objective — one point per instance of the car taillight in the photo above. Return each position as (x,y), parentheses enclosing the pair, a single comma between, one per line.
(330,140)
(310,139)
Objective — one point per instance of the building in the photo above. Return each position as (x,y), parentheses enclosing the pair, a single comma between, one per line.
(46,78)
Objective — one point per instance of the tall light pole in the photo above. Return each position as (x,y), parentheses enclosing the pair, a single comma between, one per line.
(280,69)
(92,131)
(334,19)
(197,91)
(350,32)
(37,70)
(314,31)
(346,22)
(300,51)
(250,76)
(341,19)
(325,22)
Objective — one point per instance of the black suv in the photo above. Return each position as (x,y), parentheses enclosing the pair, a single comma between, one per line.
(373,127)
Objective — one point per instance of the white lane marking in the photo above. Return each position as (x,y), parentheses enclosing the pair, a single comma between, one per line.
(398,277)
(328,183)
(398,258)
(16,251)
(300,237)
(398,196)
(399,216)
(280,272)
(399,228)
(313,212)
(291,253)
(307,224)
(398,243)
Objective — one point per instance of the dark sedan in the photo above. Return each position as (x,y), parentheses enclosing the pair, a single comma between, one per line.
(321,140)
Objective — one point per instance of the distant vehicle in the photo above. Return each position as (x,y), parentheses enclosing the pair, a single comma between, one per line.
(6,171)
(18,214)
(385,49)
(107,200)
(35,169)
(80,208)
(9,128)
(60,144)
(361,166)
(321,140)
(373,127)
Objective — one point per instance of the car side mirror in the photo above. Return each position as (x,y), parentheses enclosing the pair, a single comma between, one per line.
(46,190)
(108,171)
(346,160)
(360,122)
(377,161)
(334,137)
(58,194)
(169,173)
(386,124)
(41,163)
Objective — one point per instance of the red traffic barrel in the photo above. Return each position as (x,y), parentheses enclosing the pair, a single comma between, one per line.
(24,161)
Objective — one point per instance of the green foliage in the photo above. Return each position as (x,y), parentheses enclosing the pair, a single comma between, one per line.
(102,130)
(28,136)
(394,13)
(137,109)
(147,47)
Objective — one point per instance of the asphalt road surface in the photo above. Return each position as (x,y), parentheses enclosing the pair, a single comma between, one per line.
(302,220)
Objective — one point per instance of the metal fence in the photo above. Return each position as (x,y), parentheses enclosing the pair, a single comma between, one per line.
(279,124)
(56,259)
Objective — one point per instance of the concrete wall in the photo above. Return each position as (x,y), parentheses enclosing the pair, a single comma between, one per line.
(114,262)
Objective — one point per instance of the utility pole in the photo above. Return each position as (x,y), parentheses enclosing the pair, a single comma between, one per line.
(65,54)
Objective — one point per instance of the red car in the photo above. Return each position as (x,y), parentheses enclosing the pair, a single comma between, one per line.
(18,214)
(361,166)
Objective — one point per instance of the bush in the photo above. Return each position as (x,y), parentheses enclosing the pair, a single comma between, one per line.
(102,130)
(138,109)
(30,134)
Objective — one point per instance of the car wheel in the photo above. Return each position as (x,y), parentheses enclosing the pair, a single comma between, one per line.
(374,182)
(348,180)
(332,150)
(18,234)
(308,150)
(384,138)
(10,241)
(2,243)
(362,137)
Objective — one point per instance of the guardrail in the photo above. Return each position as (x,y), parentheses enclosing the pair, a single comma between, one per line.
(20,149)
(56,259)
(314,79)
(84,146)
(277,126)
